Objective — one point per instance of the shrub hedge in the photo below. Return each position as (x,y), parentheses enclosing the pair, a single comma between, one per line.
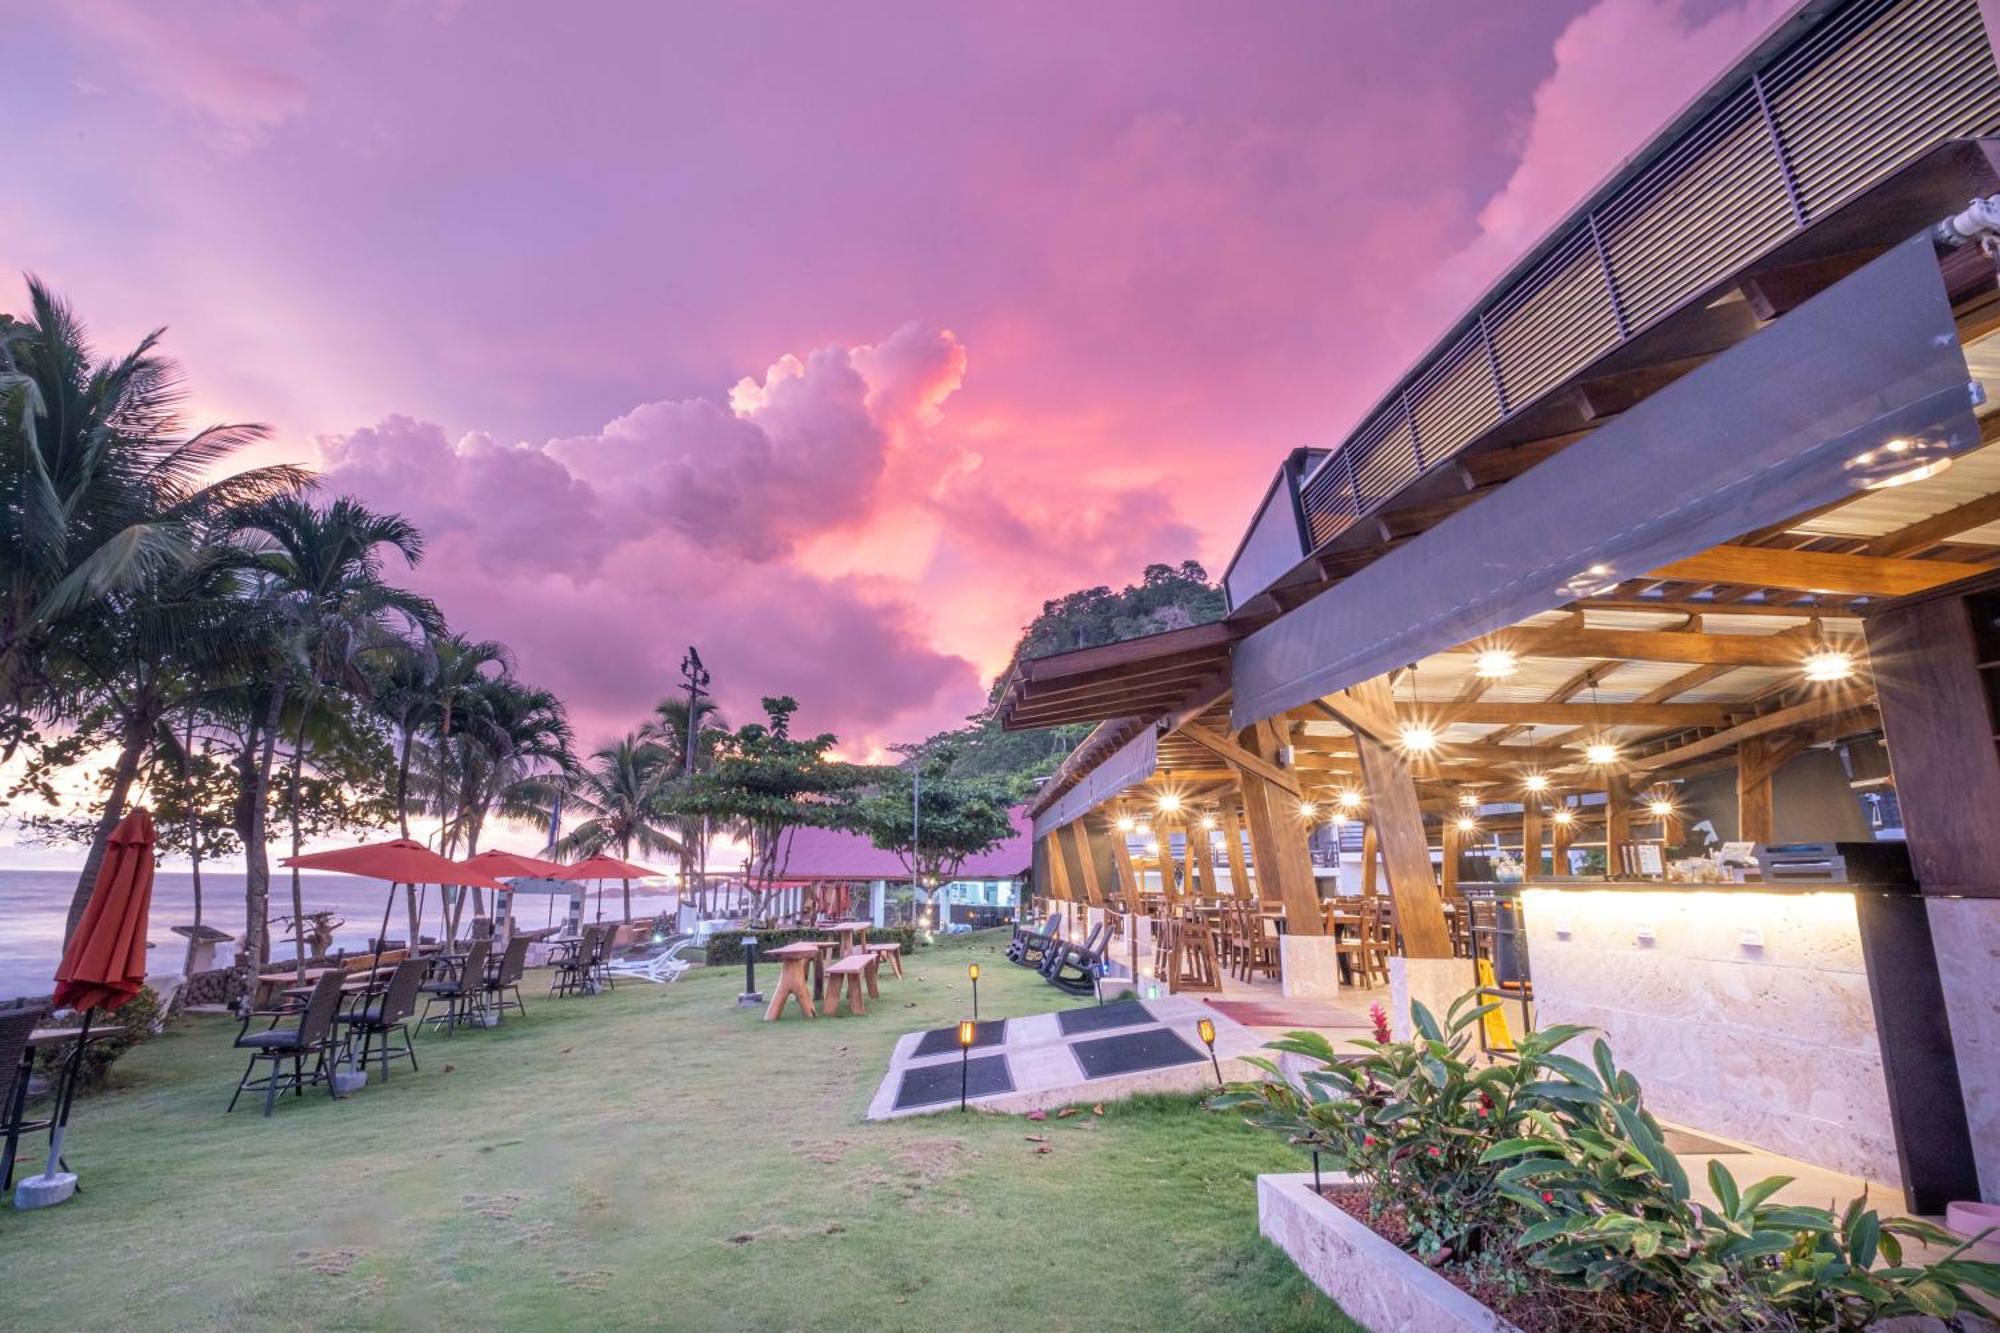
(726,946)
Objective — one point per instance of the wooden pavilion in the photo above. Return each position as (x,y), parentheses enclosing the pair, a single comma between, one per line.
(1694,519)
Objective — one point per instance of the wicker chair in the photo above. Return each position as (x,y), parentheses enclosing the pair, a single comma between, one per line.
(15,1027)
(460,985)
(311,1036)
(390,1013)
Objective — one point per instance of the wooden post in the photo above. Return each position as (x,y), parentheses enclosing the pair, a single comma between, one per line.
(1086,864)
(1617,822)
(1278,845)
(1370,850)
(1059,886)
(1448,845)
(1132,886)
(1559,839)
(1232,836)
(1398,822)
(1754,816)
(1531,834)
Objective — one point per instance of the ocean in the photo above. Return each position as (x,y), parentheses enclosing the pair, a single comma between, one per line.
(34,905)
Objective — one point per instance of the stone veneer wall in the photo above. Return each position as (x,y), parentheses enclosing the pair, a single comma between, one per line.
(1967,934)
(1772,1046)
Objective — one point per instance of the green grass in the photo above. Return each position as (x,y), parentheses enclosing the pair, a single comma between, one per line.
(653,1157)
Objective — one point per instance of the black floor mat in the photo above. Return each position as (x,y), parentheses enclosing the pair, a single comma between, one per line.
(1100,1018)
(933,1085)
(939,1040)
(1130,1052)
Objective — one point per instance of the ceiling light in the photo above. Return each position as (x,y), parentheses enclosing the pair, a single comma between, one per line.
(1660,808)
(1308,810)
(1601,753)
(1418,738)
(1153,848)
(1350,799)
(1208,822)
(1466,823)
(1169,802)
(1468,798)
(1828,664)
(1535,782)
(1563,816)
(1898,462)
(1126,823)
(1496,663)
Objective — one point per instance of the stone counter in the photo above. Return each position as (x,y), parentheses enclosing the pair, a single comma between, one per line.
(1744,1012)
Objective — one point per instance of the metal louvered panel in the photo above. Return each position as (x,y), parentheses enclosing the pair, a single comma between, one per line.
(1385,458)
(1560,318)
(1328,499)
(1456,398)
(1690,219)
(1880,83)
(1868,87)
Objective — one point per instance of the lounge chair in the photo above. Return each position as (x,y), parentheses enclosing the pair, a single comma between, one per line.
(311,1035)
(1029,947)
(387,1012)
(460,983)
(655,962)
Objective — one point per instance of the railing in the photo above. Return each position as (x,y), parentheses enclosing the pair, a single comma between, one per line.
(1855,97)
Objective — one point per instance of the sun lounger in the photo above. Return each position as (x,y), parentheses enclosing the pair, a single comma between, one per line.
(656,962)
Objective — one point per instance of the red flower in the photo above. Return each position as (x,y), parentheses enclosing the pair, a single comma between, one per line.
(1548,1196)
(1482,1113)
(1436,1152)
(1367,1140)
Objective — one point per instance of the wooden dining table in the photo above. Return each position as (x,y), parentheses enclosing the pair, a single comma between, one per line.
(802,963)
(853,934)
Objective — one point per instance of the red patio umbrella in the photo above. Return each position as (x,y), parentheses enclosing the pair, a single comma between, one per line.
(513,865)
(400,861)
(103,967)
(601,868)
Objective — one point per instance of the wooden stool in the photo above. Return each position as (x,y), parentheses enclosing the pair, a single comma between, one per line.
(869,972)
(893,953)
(854,972)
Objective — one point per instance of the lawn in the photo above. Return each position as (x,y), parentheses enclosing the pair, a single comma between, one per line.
(654,1157)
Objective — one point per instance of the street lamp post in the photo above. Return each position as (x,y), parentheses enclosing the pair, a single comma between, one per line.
(696,677)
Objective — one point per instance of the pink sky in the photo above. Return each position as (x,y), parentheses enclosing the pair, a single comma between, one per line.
(831,338)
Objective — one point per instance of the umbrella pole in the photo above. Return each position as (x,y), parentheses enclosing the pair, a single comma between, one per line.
(68,1095)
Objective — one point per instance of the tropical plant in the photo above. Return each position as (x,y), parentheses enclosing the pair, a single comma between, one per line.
(768,783)
(931,819)
(622,790)
(104,490)
(669,728)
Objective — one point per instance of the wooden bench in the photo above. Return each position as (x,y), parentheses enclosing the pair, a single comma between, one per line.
(855,972)
(889,953)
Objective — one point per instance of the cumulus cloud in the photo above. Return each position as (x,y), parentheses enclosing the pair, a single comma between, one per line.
(599,556)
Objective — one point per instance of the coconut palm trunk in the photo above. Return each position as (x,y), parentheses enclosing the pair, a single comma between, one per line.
(292,798)
(256,857)
(131,748)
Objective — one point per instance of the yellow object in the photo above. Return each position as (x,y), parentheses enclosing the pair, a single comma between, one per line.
(1497,1035)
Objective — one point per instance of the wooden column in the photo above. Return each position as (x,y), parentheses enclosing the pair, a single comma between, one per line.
(1085,868)
(1053,858)
(1398,822)
(1531,834)
(1449,840)
(1232,836)
(1278,845)
(1617,821)
(1559,839)
(1371,850)
(1754,816)
(1129,883)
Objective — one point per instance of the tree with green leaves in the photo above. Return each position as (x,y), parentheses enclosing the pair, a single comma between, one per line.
(932,818)
(622,791)
(768,783)
(669,729)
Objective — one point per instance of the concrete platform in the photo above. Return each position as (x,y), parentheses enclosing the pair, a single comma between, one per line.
(1047,1071)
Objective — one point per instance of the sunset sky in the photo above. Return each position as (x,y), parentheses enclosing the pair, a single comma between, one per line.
(830,337)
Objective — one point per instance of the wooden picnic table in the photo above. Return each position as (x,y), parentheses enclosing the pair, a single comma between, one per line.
(853,934)
(795,981)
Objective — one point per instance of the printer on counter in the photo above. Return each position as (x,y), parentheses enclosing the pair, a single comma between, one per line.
(1874,864)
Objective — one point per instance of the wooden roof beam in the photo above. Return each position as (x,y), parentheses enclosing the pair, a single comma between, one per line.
(1816,571)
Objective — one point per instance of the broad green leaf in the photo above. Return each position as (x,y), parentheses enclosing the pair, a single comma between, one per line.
(1724,1186)
(1933,1298)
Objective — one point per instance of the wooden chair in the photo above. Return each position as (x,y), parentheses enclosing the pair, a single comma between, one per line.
(851,975)
(1260,946)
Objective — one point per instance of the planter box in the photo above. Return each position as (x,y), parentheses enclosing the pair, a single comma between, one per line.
(1378,1285)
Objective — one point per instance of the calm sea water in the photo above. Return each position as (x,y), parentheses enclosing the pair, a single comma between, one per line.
(34,905)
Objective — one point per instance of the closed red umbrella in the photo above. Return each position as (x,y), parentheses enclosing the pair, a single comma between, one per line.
(103,967)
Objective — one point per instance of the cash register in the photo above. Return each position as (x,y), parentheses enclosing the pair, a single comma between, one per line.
(1874,864)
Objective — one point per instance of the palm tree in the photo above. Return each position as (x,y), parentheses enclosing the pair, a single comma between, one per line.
(623,792)
(668,727)
(104,492)
(321,578)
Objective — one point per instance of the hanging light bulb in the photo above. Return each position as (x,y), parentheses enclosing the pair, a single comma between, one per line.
(1169,802)
(1208,822)
(1601,753)
(1418,738)
(1153,847)
(1535,782)
(1828,664)
(1496,664)
(1145,830)
(1466,823)
(1350,799)
(1660,807)
(1563,815)
(1308,811)
(1126,823)
(1468,798)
